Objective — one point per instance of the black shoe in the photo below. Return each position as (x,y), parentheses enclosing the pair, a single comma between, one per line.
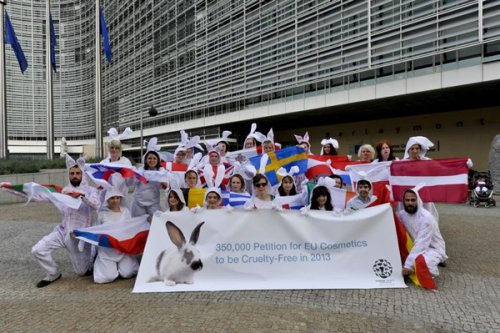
(45,283)
(443,264)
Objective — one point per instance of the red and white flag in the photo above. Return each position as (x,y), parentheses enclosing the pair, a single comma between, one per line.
(446,180)
(321,165)
(378,174)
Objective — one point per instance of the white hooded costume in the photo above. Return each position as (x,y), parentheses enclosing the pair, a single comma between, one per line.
(110,263)
(427,240)
(71,219)
(146,197)
(424,143)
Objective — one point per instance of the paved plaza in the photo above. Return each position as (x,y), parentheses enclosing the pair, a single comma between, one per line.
(468,299)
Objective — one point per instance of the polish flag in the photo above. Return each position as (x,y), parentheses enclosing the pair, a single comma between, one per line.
(446,180)
(321,165)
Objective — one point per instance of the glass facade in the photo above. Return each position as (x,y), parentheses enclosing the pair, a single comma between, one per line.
(193,59)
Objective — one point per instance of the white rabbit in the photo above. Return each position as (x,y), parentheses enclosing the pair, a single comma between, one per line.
(178,265)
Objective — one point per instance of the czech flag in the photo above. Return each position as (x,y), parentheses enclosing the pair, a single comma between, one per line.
(127,236)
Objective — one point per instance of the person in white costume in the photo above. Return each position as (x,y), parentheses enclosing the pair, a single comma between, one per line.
(71,219)
(110,263)
(146,197)
(115,148)
(424,231)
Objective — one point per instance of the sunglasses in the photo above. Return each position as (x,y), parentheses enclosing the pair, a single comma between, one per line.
(260,184)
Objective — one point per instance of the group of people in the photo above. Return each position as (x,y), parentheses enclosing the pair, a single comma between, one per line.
(216,173)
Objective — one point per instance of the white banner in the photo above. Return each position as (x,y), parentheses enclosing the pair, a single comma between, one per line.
(267,249)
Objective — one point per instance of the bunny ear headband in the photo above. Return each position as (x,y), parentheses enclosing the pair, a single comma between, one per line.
(152,145)
(256,135)
(246,170)
(331,141)
(304,139)
(114,135)
(326,182)
(270,135)
(214,142)
(292,172)
(70,162)
(118,187)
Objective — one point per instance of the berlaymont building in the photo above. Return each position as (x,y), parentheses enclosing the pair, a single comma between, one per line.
(355,70)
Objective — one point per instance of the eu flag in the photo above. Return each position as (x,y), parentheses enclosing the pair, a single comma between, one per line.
(10,38)
(53,43)
(105,37)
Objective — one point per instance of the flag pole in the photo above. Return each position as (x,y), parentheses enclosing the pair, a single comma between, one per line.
(4,137)
(98,112)
(48,72)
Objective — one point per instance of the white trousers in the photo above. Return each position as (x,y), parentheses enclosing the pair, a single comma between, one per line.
(110,264)
(42,251)
(432,259)
(138,210)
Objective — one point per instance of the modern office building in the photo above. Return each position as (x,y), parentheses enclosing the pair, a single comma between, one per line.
(212,65)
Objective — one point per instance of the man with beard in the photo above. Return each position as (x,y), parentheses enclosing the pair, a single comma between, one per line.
(71,219)
(364,197)
(424,231)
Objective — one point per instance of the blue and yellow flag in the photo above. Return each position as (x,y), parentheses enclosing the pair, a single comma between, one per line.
(284,158)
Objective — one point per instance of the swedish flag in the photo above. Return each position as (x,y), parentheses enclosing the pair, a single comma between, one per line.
(284,158)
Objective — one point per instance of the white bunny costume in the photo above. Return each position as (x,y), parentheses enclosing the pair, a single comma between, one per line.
(146,197)
(71,219)
(115,136)
(427,240)
(109,263)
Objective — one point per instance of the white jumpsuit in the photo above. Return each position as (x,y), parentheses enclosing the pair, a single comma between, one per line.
(427,240)
(60,236)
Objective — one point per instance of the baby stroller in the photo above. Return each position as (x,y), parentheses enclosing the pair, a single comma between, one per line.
(482,190)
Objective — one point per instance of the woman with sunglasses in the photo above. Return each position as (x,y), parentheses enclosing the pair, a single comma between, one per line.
(261,198)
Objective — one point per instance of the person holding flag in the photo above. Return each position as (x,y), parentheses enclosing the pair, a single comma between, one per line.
(424,231)
(110,263)
(71,219)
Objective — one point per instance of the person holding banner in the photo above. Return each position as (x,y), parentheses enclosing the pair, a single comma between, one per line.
(261,199)
(71,219)
(321,199)
(213,198)
(109,263)
(424,231)
(364,197)
(237,184)
(175,200)
(253,137)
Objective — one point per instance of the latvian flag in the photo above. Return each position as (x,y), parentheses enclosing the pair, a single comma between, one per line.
(445,179)
(128,236)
